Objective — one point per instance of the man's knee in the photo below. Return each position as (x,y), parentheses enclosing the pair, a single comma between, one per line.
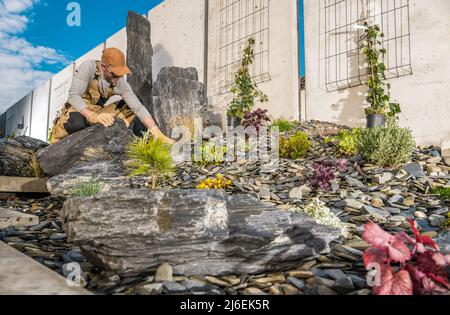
(76,122)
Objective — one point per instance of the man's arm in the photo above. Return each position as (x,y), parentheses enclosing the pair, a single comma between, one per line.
(141,112)
(83,75)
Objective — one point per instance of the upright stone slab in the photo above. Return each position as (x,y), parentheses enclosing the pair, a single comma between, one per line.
(178,98)
(196,232)
(139,57)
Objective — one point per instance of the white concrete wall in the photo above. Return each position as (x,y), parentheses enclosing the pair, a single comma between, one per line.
(41,97)
(178,35)
(118,40)
(423,96)
(60,91)
(95,54)
(283,63)
(18,114)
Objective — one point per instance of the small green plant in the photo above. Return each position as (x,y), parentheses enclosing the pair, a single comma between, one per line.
(50,132)
(245,90)
(345,141)
(210,153)
(86,189)
(378,95)
(386,146)
(219,182)
(295,147)
(11,136)
(443,193)
(283,125)
(149,156)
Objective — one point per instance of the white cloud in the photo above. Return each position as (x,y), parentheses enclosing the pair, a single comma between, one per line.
(20,60)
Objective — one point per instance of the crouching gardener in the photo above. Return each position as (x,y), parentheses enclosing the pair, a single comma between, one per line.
(94,82)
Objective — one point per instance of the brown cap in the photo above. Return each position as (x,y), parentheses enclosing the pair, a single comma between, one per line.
(115,60)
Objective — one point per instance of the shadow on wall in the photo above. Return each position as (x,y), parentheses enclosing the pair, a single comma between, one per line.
(163,59)
(349,108)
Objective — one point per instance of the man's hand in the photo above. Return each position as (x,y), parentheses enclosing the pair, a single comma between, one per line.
(159,135)
(105,119)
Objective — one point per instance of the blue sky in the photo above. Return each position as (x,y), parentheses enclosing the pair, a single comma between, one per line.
(36,42)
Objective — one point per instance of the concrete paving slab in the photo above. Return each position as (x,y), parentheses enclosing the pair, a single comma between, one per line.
(21,275)
(10,218)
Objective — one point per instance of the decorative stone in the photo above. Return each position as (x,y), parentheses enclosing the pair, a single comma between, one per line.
(150,289)
(113,175)
(376,213)
(300,274)
(17,158)
(173,288)
(377,203)
(443,241)
(296,193)
(178,98)
(395,199)
(139,57)
(226,230)
(436,220)
(383,178)
(354,182)
(164,273)
(414,169)
(264,193)
(252,291)
(93,144)
(351,203)
(343,285)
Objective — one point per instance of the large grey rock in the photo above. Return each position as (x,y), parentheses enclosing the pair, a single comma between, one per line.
(17,157)
(95,143)
(28,143)
(178,96)
(196,232)
(112,174)
(139,57)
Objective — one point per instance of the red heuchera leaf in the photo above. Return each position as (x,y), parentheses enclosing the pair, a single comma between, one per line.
(423,239)
(375,255)
(441,260)
(376,236)
(394,283)
(425,271)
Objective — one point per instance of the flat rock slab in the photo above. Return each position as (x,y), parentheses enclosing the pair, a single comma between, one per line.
(112,174)
(10,218)
(196,232)
(95,143)
(23,184)
(21,275)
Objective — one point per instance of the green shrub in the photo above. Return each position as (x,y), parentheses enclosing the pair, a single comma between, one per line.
(86,189)
(244,89)
(295,147)
(283,125)
(443,193)
(385,146)
(346,141)
(210,154)
(149,156)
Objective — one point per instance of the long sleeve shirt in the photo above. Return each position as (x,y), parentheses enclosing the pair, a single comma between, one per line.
(85,73)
